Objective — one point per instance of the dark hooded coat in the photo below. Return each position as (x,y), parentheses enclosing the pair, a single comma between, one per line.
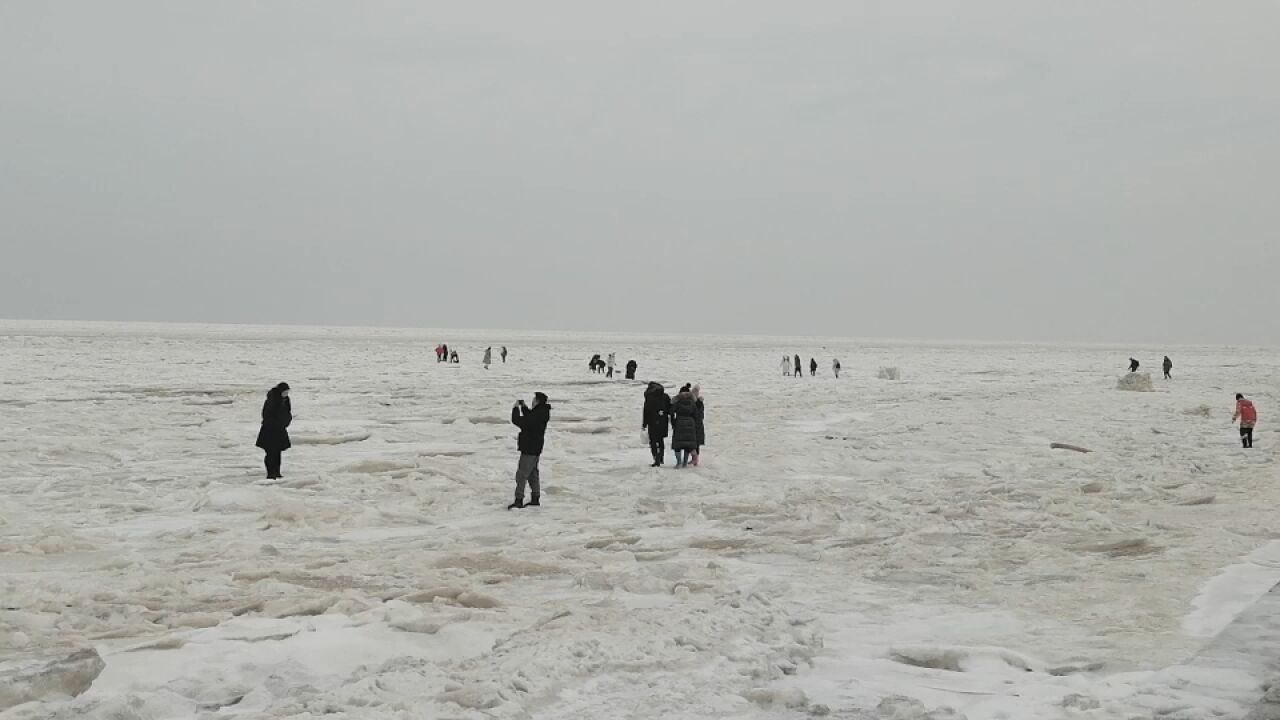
(277,414)
(657,406)
(533,427)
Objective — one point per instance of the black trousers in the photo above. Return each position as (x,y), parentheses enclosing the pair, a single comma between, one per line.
(273,464)
(1246,436)
(658,448)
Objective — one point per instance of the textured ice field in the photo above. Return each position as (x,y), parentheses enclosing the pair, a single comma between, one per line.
(863,547)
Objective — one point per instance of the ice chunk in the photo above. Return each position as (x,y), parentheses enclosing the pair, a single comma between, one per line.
(25,680)
(1137,382)
(889,373)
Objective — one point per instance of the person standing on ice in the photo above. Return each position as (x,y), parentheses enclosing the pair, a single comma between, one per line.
(684,426)
(1247,414)
(1168,366)
(273,438)
(632,366)
(1134,365)
(657,406)
(488,357)
(786,366)
(532,422)
(835,367)
(609,365)
(813,367)
(504,354)
(799,367)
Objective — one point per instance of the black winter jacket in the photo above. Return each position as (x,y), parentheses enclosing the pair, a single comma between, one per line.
(277,414)
(657,407)
(533,427)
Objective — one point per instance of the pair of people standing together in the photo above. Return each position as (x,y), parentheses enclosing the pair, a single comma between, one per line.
(684,414)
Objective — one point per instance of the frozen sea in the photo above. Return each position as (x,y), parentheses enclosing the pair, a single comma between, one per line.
(852,548)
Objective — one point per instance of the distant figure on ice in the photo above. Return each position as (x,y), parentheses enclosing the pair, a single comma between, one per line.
(445,351)
(454,358)
(813,367)
(596,363)
(488,357)
(1133,365)
(835,367)
(1168,366)
(799,367)
(657,406)
(786,366)
(504,354)
(632,366)
(273,438)
(532,422)
(684,426)
(700,419)
(439,353)
(609,364)
(1247,414)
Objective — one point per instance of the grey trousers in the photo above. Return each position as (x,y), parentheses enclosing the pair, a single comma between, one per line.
(527,472)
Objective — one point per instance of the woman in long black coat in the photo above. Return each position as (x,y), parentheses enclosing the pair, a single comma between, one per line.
(277,414)
(684,427)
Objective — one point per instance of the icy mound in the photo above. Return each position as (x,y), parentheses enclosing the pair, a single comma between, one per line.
(32,679)
(889,373)
(1137,382)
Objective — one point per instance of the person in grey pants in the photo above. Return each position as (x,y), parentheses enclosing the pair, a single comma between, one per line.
(532,422)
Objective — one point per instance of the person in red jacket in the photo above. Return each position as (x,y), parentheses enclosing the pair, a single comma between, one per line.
(1247,414)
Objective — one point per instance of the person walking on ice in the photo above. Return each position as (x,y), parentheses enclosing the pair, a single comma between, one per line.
(799,367)
(504,354)
(835,367)
(273,438)
(1247,414)
(488,357)
(813,367)
(532,422)
(684,426)
(1134,365)
(657,406)
(700,418)
(1168,365)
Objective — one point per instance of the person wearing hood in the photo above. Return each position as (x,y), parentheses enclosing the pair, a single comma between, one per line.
(1247,414)
(1168,367)
(273,438)
(504,354)
(632,366)
(657,406)
(813,367)
(699,419)
(1134,365)
(488,357)
(799,367)
(684,426)
(532,422)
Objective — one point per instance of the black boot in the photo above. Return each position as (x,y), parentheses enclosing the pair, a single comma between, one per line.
(516,505)
(533,502)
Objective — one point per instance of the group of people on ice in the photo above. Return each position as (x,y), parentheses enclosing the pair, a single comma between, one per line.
(684,415)
(793,366)
(1167,366)
(444,355)
(606,366)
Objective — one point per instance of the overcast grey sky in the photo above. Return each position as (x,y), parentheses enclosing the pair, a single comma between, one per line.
(988,170)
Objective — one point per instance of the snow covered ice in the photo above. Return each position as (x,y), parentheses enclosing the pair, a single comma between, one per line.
(848,548)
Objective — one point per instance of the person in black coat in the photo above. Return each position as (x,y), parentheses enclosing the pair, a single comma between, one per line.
(632,366)
(799,367)
(532,422)
(273,438)
(1168,368)
(657,406)
(813,367)
(684,427)
(1133,365)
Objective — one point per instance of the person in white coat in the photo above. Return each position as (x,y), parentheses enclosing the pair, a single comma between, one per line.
(609,365)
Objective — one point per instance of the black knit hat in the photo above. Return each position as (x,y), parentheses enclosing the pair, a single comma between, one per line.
(541,398)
